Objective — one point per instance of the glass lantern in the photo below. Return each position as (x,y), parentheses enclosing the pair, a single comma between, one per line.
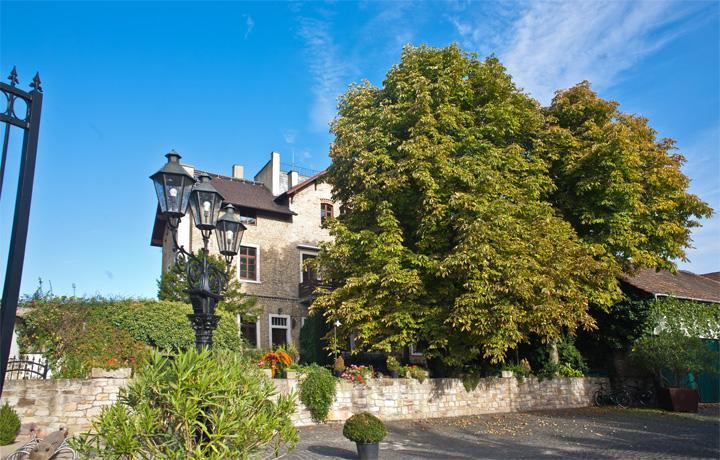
(229,232)
(205,203)
(173,185)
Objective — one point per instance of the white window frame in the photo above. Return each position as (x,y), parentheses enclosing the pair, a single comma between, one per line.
(257,264)
(412,351)
(287,328)
(305,252)
(258,338)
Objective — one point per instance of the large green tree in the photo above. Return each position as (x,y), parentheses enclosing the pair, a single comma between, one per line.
(447,234)
(617,183)
(473,219)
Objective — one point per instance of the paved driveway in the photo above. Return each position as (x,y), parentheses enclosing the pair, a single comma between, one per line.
(578,433)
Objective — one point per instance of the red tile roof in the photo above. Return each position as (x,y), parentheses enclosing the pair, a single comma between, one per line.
(683,284)
(715,276)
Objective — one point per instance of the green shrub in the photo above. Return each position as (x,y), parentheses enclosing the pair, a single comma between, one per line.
(311,341)
(9,425)
(393,365)
(72,332)
(364,428)
(676,352)
(317,391)
(195,405)
(471,380)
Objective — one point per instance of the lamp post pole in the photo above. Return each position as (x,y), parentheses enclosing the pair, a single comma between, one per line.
(176,191)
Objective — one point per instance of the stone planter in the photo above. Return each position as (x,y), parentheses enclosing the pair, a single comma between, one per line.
(122,373)
(506,374)
(679,399)
(368,451)
(292,375)
(268,373)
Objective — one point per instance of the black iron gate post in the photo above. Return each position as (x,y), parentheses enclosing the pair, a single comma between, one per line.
(29,122)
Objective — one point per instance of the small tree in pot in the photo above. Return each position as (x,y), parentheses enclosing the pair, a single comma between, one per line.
(366,431)
(678,354)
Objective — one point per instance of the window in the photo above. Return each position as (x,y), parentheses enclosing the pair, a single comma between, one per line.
(307,274)
(418,349)
(248,216)
(279,330)
(326,210)
(249,333)
(248,263)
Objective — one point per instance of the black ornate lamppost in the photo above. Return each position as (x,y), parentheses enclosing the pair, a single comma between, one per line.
(176,190)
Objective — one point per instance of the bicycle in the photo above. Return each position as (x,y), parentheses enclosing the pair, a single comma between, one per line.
(641,396)
(606,396)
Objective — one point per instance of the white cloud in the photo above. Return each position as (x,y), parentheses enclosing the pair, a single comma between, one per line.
(327,68)
(249,25)
(290,135)
(554,45)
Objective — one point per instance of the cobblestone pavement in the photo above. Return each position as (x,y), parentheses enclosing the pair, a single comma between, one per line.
(600,433)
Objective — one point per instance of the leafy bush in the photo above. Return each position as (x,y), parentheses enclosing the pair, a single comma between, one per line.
(471,380)
(9,425)
(312,342)
(72,332)
(520,371)
(197,405)
(364,428)
(417,373)
(676,352)
(317,391)
(393,365)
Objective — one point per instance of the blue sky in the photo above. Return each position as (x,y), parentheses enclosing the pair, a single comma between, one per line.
(227,83)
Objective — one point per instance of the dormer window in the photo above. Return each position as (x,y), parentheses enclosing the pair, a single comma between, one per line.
(326,210)
(248,216)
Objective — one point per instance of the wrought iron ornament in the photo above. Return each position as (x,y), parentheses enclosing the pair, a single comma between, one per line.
(177,190)
(29,123)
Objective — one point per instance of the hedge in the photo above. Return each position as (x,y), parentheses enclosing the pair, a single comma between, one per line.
(76,334)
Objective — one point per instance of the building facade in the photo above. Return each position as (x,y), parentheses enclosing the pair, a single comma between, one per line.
(283,212)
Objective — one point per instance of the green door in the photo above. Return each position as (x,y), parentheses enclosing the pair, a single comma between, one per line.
(709,383)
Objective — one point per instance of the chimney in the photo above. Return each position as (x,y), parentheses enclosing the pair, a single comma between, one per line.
(269,175)
(292,179)
(238,172)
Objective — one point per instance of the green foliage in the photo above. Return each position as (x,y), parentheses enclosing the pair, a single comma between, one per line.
(618,184)
(312,344)
(196,405)
(173,283)
(417,373)
(676,352)
(471,380)
(73,332)
(520,371)
(570,361)
(393,365)
(683,316)
(448,233)
(9,425)
(317,391)
(364,428)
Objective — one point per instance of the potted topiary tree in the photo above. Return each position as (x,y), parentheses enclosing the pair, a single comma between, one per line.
(671,357)
(366,431)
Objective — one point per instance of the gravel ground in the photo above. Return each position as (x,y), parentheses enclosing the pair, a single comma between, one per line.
(599,433)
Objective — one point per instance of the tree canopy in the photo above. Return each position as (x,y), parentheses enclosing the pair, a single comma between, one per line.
(459,225)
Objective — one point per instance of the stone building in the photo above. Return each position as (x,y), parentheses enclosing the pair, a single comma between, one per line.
(283,213)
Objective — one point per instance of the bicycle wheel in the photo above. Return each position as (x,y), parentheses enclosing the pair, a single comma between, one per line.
(622,399)
(598,398)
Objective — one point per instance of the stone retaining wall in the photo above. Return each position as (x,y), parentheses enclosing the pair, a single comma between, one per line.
(52,404)
(55,403)
(393,399)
